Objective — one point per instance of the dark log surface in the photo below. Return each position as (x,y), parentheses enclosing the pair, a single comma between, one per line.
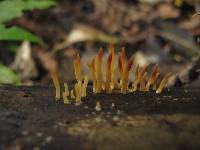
(30,118)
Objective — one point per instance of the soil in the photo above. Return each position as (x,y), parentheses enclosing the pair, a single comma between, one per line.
(31,118)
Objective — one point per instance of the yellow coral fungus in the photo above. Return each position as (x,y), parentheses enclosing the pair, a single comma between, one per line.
(56,83)
(163,82)
(99,70)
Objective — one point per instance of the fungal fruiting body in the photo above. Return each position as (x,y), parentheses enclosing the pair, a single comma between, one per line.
(108,73)
(136,81)
(84,86)
(72,94)
(153,77)
(56,83)
(142,77)
(125,74)
(141,81)
(80,88)
(66,94)
(113,68)
(99,70)
(93,71)
(78,92)
(124,69)
(163,82)
(77,68)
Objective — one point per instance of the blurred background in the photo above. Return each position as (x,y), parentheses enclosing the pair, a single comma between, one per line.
(36,34)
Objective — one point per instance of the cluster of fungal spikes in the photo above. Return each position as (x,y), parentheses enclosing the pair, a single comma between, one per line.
(142,81)
(81,86)
(95,67)
(124,69)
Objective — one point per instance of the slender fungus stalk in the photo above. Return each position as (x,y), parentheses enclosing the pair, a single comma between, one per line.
(84,86)
(123,58)
(124,86)
(108,73)
(142,77)
(77,68)
(142,82)
(66,94)
(93,71)
(113,68)
(99,70)
(56,83)
(120,66)
(78,93)
(163,83)
(136,81)
(154,76)
(85,82)
(103,85)
(72,94)
(65,99)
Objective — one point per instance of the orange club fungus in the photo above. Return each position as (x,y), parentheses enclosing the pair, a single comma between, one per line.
(113,67)
(163,82)
(153,77)
(108,73)
(77,68)
(56,83)
(66,94)
(93,71)
(124,70)
(99,70)
(141,81)
(141,75)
